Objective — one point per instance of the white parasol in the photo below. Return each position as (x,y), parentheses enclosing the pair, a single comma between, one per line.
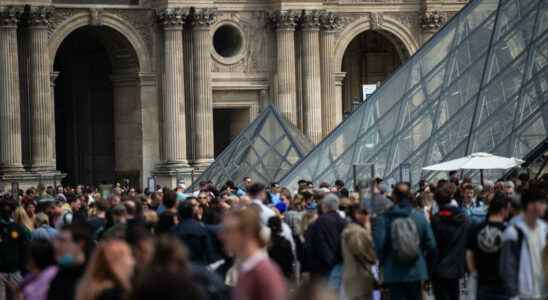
(477,161)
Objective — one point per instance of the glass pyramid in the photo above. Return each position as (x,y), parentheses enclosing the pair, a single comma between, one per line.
(265,150)
(479,85)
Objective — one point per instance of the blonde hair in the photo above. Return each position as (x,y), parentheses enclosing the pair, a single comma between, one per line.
(22,218)
(104,270)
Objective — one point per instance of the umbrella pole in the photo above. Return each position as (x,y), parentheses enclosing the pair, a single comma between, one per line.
(481,176)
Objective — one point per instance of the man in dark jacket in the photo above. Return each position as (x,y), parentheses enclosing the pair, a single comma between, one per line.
(450,226)
(194,234)
(403,279)
(323,239)
(72,248)
(13,240)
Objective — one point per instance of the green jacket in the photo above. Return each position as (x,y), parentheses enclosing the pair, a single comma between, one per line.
(393,270)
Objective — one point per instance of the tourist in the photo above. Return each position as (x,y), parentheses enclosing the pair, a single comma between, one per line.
(450,226)
(24,221)
(359,257)
(14,240)
(98,222)
(108,275)
(168,218)
(280,249)
(483,250)
(42,268)
(194,234)
(402,258)
(522,248)
(474,209)
(43,228)
(73,245)
(323,241)
(258,277)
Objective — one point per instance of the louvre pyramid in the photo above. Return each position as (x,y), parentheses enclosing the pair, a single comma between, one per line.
(479,85)
(265,150)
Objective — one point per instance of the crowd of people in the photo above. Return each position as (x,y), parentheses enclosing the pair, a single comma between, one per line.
(255,242)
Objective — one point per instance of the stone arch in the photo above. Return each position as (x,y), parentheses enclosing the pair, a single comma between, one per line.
(111,21)
(389,25)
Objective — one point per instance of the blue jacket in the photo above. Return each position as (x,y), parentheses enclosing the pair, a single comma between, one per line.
(393,270)
(197,238)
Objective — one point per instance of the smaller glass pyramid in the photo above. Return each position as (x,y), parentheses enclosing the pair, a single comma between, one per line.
(265,151)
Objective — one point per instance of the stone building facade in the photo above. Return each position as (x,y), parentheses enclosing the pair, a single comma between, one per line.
(98,90)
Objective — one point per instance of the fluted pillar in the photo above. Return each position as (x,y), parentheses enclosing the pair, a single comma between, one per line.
(312,97)
(10,111)
(331,105)
(42,108)
(173,94)
(203,97)
(284,23)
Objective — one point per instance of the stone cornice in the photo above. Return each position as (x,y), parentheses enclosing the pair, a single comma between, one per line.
(38,16)
(9,16)
(310,20)
(202,17)
(432,20)
(284,20)
(329,21)
(172,17)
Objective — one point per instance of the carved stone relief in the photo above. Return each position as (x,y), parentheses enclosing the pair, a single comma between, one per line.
(255,31)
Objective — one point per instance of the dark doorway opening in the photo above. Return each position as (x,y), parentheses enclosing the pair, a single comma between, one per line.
(84,109)
(227,124)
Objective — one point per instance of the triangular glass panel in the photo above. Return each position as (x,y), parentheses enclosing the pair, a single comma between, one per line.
(448,99)
(265,150)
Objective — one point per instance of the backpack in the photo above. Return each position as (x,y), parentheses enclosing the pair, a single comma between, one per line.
(405,239)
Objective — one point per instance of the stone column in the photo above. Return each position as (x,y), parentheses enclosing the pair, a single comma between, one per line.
(284,23)
(42,108)
(312,97)
(202,19)
(339,80)
(10,110)
(331,105)
(173,94)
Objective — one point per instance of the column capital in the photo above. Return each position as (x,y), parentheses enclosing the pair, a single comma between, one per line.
(432,20)
(172,18)
(38,16)
(9,16)
(310,20)
(284,20)
(339,77)
(202,18)
(330,22)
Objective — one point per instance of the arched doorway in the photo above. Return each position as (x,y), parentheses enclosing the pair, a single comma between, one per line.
(90,104)
(369,60)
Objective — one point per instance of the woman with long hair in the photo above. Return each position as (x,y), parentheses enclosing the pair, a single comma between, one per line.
(108,273)
(23,219)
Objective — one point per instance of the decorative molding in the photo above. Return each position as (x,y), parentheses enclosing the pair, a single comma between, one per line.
(310,20)
(60,15)
(330,21)
(9,15)
(284,20)
(95,16)
(142,20)
(377,20)
(38,15)
(172,17)
(432,20)
(203,17)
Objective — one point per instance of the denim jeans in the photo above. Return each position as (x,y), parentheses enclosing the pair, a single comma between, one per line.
(405,290)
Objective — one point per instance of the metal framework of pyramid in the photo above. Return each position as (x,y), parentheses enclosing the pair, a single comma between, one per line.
(479,85)
(265,150)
